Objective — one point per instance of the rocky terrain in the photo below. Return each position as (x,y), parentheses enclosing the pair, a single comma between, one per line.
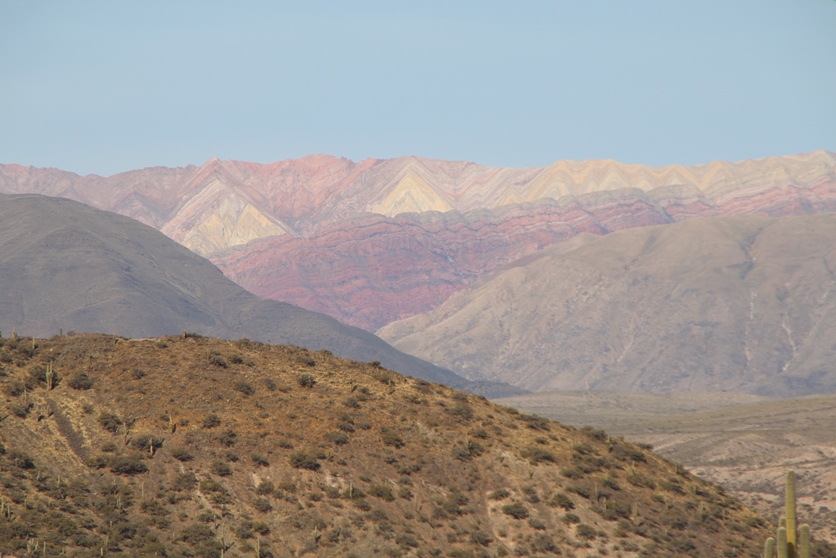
(188,446)
(743,442)
(718,304)
(66,266)
(380,240)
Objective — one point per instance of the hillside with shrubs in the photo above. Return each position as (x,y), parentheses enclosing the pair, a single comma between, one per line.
(190,446)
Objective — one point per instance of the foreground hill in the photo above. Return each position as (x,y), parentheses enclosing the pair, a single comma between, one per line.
(750,458)
(380,240)
(181,446)
(64,265)
(720,304)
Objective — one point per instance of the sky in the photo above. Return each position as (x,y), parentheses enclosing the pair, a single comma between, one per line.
(105,87)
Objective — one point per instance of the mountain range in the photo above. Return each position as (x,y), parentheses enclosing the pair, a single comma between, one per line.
(738,303)
(380,240)
(67,266)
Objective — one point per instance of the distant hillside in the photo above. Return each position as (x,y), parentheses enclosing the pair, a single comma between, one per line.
(192,447)
(743,442)
(720,304)
(380,240)
(64,265)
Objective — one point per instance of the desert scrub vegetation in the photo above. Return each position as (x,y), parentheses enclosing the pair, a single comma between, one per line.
(80,381)
(361,462)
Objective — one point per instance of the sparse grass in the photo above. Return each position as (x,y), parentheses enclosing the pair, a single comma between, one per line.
(396,472)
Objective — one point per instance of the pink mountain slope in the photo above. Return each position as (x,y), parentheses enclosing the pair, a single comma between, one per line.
(381,240)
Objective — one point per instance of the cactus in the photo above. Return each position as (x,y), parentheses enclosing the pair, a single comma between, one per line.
(804,541)
(792,541)
(789,505)
(50,376)
(783,549)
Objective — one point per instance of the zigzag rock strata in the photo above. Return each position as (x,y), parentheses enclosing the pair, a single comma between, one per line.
(380,240)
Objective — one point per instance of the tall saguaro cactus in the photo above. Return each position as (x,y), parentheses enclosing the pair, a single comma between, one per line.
(789,507)
(789,544)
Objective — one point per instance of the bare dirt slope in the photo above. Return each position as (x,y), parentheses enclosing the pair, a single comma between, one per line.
(184,446)
(717,304)
(743,442)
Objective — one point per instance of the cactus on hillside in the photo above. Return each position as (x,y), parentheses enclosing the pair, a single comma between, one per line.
(792,541)
(50,376)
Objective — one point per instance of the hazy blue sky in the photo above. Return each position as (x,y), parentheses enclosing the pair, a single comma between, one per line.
(103,87)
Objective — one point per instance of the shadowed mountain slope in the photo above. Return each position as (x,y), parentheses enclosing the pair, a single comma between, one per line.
(380,240)
(731,303)
(190,447)
(67,265)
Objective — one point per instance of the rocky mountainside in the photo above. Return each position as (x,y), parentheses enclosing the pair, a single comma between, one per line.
(195,447)
(719,304)
(65,265)
(380,240)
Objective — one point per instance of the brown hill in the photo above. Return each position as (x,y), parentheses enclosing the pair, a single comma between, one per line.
(67,265)
(181,446)
(743,442)
(380,240)
(732,303)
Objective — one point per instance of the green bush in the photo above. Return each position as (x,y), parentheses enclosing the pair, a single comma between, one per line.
(128,465)
(244,388)
(13,389)
(536,423)
(346,425)
(352,403)
(218,360)
(146,441)
(480,538)
(181,454)
(80,381)
(184,482)
(302,460)
(586,532)
(544,543)
(538,455)
(220,468)
(228,438)
(337,438)
(391,438)
(640,480)
(561,500)
(306,380)
(260,460)
(110,421)
(517,510)
(499,494)
(594,433)
(211,421)
(263,505)
(382,491)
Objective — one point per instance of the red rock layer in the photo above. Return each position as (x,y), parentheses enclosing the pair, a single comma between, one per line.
(338,253)
(376,270)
